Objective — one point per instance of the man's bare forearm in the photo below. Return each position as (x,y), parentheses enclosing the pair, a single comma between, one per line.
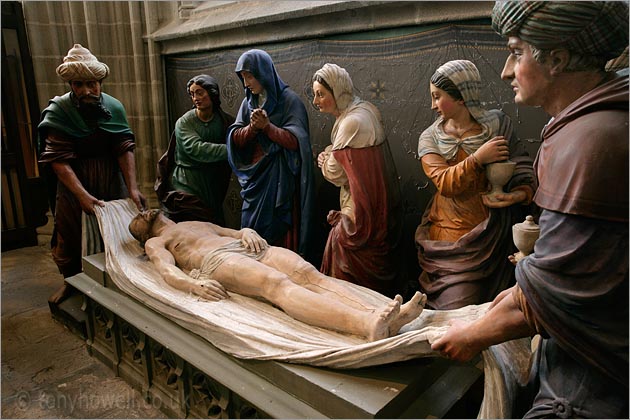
(68,178)
(503,322)
(165,263)
(175,277)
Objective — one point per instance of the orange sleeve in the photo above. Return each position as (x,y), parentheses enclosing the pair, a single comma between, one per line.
(451,180)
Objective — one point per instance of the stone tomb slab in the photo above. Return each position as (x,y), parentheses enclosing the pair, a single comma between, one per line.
(419,388)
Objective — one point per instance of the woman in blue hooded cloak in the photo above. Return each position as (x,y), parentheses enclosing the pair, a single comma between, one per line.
(269,150)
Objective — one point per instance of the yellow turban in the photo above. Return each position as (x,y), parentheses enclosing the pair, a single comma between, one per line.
(80,64)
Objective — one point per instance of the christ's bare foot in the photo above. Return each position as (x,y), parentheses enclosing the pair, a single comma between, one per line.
(382,318)
(62,293)
(408,312)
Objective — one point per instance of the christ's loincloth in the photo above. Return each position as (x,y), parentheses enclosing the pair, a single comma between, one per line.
(215,258)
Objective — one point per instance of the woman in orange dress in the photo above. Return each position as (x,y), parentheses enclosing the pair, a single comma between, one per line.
(464,239)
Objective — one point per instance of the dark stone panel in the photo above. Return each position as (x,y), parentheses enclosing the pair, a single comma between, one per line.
(390,68)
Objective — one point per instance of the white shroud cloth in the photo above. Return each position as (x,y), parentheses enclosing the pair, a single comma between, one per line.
(250,328)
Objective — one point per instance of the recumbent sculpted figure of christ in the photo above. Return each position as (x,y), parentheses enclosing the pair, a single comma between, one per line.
(209,260)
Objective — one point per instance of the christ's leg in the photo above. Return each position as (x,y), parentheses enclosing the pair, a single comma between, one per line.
(246,276)
(303,273)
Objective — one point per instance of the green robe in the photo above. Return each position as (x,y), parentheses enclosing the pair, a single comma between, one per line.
(92,152)
(199,169)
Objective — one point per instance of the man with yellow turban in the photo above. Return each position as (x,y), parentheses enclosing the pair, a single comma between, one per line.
(573,290)
(86,142)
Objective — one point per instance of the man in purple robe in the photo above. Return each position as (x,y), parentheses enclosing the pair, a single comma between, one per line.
(573,290)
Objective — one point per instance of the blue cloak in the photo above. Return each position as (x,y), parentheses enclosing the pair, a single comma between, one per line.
(269,185)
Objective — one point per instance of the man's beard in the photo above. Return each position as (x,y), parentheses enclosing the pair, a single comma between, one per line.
(92,111)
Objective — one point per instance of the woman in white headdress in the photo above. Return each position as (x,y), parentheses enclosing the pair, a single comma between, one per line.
(362,244)
(464,239)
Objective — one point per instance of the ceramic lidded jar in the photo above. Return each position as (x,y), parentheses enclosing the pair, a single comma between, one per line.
(525,235)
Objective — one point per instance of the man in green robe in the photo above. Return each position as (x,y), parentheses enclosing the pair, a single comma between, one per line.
(86,142)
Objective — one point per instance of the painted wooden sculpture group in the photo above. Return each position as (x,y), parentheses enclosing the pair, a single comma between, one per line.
(572,289)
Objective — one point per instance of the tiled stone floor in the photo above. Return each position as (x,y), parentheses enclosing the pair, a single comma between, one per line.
(46,370)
